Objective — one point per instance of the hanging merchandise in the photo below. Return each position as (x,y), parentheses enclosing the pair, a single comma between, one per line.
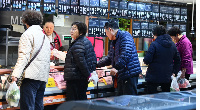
(93,28)
(148,11)
(114,10)
(49,6)
(177,16)
(132,10)
(170,11)
(184,14)
(102,32)
(34,4)
(84,7)
(123,9)
(64,7)
(136,29)
(5,5)
(164,13)
(94,8)
(19,5)
(103,8)
(75,7)
(141,11)
(155,12)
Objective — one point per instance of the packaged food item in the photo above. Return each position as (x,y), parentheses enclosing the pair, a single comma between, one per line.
(183,83)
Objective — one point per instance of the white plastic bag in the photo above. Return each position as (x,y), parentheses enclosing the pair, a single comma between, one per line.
(94,77)
(13,95)
(174,84)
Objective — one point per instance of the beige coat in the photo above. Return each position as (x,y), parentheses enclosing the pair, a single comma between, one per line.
(29,44)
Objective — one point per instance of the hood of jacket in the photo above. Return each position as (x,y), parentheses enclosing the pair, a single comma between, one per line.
(164,40)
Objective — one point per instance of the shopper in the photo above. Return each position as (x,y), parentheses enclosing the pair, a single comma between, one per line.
(123,57)
(37,73)
(80,61)
(53,37)
(184,47)
(163,61)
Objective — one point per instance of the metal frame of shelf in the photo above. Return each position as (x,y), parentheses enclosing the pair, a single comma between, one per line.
(9,43)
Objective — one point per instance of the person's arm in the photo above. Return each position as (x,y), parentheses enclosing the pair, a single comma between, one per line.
(105,61)
(24,50)
(149,55)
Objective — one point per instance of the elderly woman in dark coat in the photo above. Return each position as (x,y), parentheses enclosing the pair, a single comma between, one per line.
(79,63)
(163,61)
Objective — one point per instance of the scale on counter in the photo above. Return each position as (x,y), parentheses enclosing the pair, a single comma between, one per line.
(67,37)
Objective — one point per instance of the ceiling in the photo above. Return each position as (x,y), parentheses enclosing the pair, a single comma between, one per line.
(175,1)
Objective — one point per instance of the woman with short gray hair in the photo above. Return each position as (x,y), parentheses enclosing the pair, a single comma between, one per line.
(33,42)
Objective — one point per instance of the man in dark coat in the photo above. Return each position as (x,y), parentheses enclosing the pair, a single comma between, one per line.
(163,61)
(124,59)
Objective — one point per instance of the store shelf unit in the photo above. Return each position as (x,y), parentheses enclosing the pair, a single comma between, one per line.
(6,40)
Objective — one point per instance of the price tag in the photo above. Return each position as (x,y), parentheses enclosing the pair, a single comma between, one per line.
(51,83)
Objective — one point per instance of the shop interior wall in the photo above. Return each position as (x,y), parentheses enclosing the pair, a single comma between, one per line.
(14,18)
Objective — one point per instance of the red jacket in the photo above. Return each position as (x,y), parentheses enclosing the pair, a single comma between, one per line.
(58,43)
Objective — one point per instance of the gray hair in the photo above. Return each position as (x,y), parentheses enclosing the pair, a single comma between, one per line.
(31,17)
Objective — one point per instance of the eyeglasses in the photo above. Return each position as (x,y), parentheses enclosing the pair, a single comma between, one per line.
(73,29)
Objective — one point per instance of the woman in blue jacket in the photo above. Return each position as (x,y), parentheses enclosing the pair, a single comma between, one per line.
(163,61)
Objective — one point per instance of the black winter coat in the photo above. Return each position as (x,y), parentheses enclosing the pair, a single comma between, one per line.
(80,60)
(163,59)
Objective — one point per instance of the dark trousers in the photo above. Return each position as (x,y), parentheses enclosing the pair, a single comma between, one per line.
(152,87)
(31,94)
(127,87)
(76,90)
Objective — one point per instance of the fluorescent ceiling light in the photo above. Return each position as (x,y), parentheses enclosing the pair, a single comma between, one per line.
(189,3)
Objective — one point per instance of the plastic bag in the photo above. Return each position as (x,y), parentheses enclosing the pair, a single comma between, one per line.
(13,95)
(183,83)
(174,84)
(94,77)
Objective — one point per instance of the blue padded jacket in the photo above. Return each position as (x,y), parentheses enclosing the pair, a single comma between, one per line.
(123,56)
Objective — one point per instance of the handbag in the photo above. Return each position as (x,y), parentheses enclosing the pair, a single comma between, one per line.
(19,81)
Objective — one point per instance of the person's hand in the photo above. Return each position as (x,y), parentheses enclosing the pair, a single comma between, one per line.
(140,76)
(14,79)
(173,74)
(113,72)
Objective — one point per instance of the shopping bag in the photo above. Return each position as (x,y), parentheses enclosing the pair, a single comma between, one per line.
(174,85)
(13,95)
(94,77)
(183,83)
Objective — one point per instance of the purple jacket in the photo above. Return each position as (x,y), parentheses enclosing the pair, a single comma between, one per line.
(184,47)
